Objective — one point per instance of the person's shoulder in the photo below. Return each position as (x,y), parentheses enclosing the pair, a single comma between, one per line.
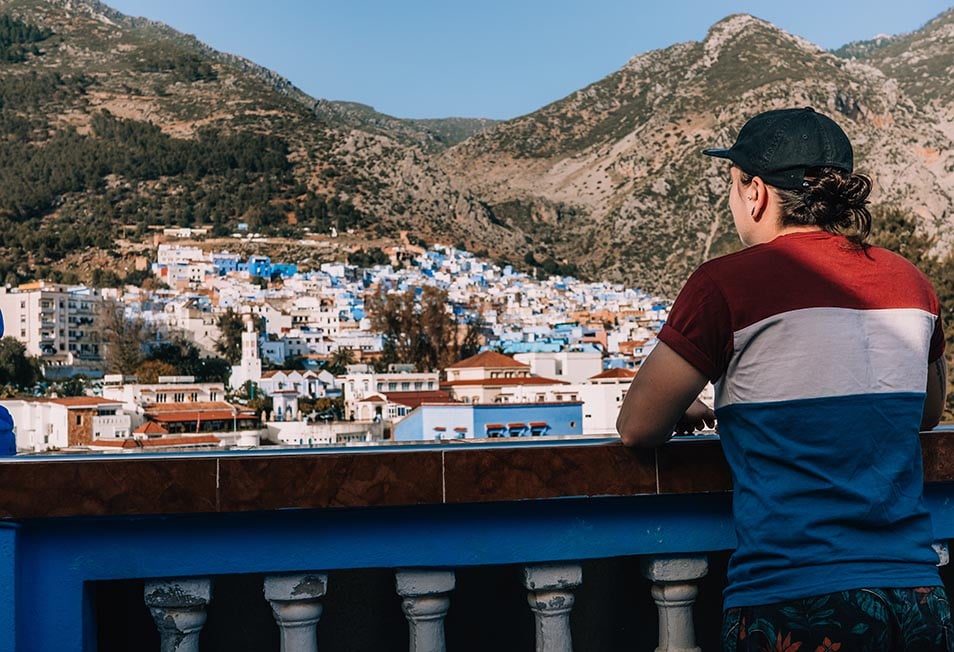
(886,257)
(729,264)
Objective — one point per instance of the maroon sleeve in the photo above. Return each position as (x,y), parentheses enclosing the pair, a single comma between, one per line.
(699,327)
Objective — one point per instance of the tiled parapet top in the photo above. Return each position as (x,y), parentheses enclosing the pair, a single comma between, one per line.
(450,473)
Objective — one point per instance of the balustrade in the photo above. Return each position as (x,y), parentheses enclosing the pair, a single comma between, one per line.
(428,513)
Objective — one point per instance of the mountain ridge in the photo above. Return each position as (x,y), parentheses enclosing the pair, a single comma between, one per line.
(609,178)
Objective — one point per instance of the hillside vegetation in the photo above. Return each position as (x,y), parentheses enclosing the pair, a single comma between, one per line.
(115,126)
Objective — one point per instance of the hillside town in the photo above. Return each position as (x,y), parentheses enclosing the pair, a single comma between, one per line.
(554,358)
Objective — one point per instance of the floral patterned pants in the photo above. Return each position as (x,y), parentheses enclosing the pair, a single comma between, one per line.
(861,620)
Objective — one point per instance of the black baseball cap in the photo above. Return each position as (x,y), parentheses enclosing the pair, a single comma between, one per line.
(779,146)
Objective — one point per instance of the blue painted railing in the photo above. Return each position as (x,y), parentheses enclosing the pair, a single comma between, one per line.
(48,563)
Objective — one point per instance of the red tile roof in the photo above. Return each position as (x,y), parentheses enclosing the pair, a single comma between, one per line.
(150,428)
(416,399)
(80,401)
(157,442)
(503,382)
(488,359)
(614,373)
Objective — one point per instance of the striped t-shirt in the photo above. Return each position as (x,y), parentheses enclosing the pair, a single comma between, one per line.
(819,353)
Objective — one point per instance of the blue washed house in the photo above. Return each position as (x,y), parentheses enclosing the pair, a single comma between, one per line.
(480,420)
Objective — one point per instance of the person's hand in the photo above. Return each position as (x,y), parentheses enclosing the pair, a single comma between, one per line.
(698,417)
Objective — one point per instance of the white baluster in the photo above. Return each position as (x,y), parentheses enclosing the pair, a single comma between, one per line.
(426,596)
(178,607)
(674,590)
(296,605)
(551,599)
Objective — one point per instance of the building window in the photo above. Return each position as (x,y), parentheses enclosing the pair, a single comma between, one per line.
(79,419)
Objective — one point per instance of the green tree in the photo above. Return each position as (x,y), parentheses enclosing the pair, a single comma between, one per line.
(422,328)
(124,339)
(340,360)
(229,345)
(17,368)
(75,386)
(150,370)
(184,356)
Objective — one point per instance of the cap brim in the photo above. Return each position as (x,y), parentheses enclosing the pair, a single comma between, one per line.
(718,153)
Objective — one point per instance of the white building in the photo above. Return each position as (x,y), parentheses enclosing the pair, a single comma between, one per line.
(573,366)
(305,384)
(359,386)
(56,323)
(43,424)
(170,389)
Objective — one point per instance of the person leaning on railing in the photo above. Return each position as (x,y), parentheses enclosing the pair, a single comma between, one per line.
(827,357)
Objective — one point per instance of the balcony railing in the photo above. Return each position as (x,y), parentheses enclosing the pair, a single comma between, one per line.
(186,529)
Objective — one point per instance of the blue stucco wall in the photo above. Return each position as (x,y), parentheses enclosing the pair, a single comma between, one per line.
(430,422)
(563,418)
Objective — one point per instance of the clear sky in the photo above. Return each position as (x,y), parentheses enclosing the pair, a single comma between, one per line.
(488,58)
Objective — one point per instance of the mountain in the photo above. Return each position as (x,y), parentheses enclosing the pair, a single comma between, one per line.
(612,176)
(111,124)
(431,135)
(112,127)
(920,61)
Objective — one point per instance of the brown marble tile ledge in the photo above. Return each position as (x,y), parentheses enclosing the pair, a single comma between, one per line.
(450,473)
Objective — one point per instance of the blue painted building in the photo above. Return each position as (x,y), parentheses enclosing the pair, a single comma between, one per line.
(479,420)
(260,266)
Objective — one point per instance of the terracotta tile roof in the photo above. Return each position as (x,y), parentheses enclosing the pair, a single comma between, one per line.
(503,382)
(614,373)
(516,425)
(158,442)
(150,428)
(415,399)
(488,359)
(539,424)
(494,426)
(80,401)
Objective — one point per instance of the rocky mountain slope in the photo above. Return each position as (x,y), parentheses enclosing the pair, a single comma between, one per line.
(112,125)
(612,175)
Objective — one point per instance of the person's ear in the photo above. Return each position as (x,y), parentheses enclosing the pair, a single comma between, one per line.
(756,196)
